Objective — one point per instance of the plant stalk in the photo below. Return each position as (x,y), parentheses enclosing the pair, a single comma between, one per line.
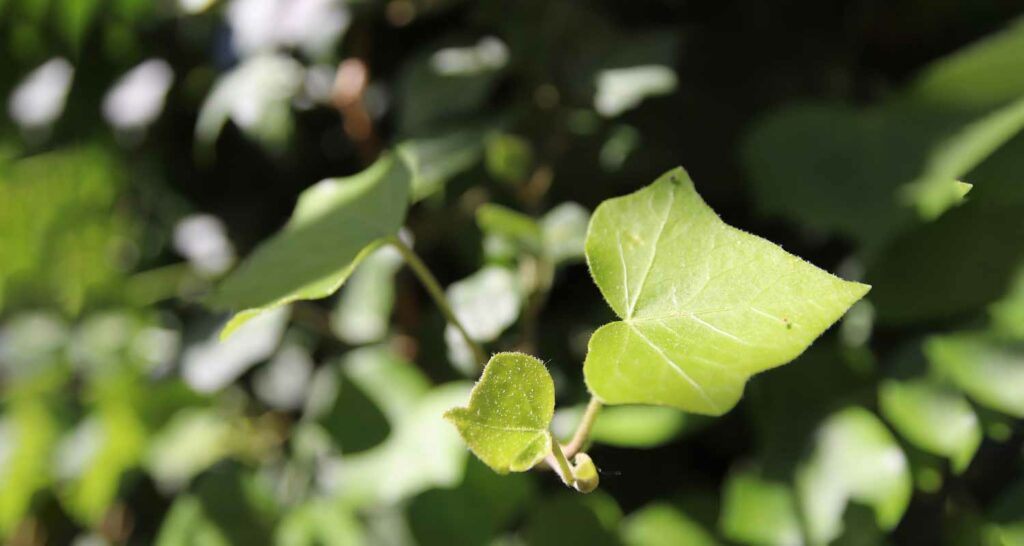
(584,428)
(433,287)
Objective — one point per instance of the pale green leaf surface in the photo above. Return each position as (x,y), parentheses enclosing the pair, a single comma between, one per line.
(193,440)
(364,309)
(989,371)
(934,418)
(855,458)
(703,305)
(319,522)
(487,303)
(336,223)
(422,452)
(759,511)
(564,232)
(510,410)
(660,524)
(496,219)
(434,160)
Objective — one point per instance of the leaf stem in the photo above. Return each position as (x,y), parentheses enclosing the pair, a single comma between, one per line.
(433,287)
(557,461)
(584,428)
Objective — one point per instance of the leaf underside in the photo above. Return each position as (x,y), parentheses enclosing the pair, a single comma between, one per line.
(703,305)
(510,410)
(336,223)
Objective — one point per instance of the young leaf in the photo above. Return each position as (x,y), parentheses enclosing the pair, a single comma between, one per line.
(336,224)
(703,305)
(510,410)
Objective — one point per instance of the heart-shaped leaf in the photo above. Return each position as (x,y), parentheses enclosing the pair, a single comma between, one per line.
(703,305)
(336,224)
(510,410)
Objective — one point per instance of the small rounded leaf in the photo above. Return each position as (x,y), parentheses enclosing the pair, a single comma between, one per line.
(509,413)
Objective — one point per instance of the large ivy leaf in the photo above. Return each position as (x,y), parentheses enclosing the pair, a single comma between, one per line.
(991,372)
(855,458)
(510,410)
(336,224)
(703,305)
(934,418)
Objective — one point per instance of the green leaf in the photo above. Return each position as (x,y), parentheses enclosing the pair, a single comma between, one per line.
(472,513)
(703,305)
(571,519)
(30,429)
(402,458)
(509,158)
(933,418)
(336,224)
(564,232)
(855,458)
(510,410)
(663,525)
(486,302)
(990,371)
(436,158)
(319,522)
(499,220)
(759,511)
(1007,313)
(187,525)
(364,309)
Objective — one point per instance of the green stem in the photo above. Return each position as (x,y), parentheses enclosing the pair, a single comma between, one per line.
(437,293)
(584,428)
(560,464)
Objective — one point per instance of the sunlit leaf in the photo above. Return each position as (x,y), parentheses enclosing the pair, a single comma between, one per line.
(364,309)
(1008,312)
(510,410)
(663,525)
(193,440)
(187,525)
(703,305)
(319,522)
(933,418)
(28,434)
(499,220)
(436,158)
(855,458)
(486,303)
(422,452)
(256,96)
(759,511)
(991,372)
(564,232)
(336,224)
